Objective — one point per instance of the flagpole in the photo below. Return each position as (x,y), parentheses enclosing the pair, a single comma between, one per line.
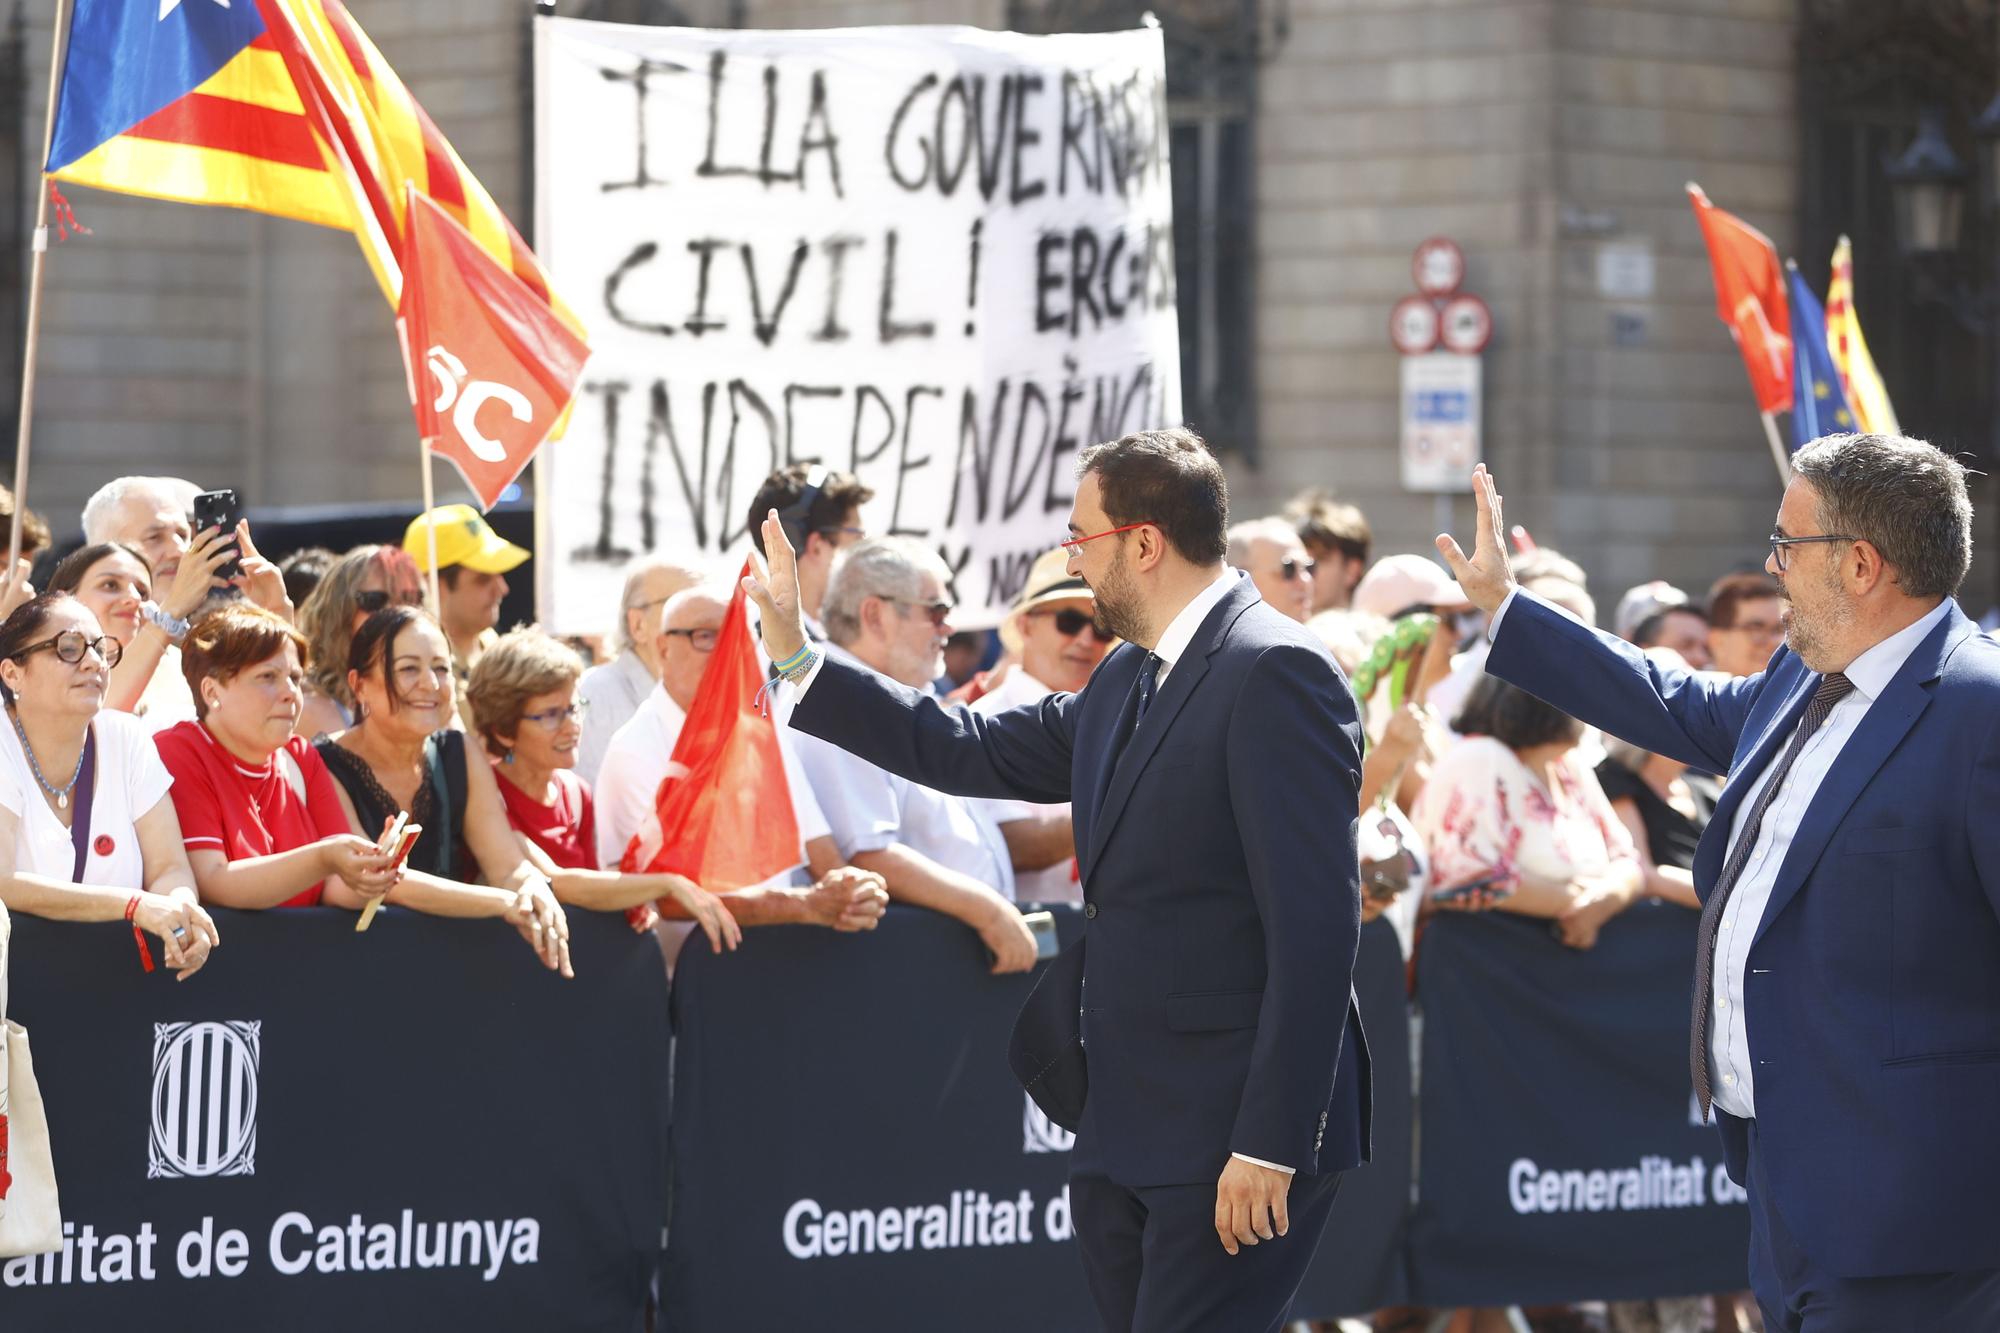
(1778,454)
(38,248)
(430,527)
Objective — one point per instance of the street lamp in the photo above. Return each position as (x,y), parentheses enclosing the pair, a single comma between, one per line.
(1927,184)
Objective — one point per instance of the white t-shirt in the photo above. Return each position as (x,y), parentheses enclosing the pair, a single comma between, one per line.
(131,780)
(636,762)
(1053,884)
(166,701)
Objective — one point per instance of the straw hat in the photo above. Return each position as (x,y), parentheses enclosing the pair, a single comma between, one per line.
(1048,581)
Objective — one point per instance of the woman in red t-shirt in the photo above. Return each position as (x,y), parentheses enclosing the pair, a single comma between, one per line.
(525,705)
(259,813)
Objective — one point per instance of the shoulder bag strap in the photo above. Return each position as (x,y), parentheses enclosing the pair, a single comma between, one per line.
(85,790)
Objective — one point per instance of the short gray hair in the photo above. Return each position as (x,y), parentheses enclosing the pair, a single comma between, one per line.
(891,567)
(100,510)
(690,564)
(1240,537)
(1904,497)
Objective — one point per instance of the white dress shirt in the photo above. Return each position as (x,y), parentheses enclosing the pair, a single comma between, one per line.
(1052,884)
(1729,1042)
(615,690)
(870,808)
(636,762)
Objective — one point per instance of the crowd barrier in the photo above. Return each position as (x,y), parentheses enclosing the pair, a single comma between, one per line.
(413,1129)
(419,1128)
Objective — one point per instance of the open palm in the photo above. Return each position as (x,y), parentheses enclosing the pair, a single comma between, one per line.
(1485,576)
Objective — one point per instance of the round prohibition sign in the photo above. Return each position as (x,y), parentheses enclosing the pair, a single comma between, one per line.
(1467,325)
(1439,266)
(1413,325)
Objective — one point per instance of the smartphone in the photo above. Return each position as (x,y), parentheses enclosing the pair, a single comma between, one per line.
(219,509)
(1458,892)
(1042,925)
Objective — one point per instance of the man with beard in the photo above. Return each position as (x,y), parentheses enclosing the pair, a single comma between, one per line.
(1844,1014)
(1202,1038)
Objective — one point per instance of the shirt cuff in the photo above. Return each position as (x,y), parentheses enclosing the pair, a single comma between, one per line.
(812,674)
(1493,625)
(1258,1161)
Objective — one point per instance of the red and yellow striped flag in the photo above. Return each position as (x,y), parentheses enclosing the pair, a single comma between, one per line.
(1866,393)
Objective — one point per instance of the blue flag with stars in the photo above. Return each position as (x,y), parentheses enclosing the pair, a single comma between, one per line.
(1818,405)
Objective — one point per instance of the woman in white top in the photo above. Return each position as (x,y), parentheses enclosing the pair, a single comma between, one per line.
(128,862)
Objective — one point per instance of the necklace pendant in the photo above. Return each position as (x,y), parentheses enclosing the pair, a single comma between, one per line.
(62,800)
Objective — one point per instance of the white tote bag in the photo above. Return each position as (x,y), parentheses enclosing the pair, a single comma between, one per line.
(30,1213)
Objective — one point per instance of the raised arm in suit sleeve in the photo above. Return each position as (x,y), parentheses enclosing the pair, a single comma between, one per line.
(1691,716)
(1294,758)
(1023,753)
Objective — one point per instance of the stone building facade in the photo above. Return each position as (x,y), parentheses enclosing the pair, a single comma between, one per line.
(1549,138)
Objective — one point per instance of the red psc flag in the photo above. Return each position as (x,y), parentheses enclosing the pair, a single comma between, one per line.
(491,367)
(1750,299)
(723,815)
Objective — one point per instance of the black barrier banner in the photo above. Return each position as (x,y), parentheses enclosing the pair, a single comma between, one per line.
(417,1128)
(1562,1157)
(851,1150)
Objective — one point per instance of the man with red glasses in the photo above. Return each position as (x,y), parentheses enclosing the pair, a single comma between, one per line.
(1053,642)
(1202,1039)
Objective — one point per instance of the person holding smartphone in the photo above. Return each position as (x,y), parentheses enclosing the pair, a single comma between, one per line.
(1515,822)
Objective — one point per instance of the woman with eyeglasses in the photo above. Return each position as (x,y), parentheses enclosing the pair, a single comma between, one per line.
(258,811)
(116,583)
(527,711)
(354,587)
(83,794)
(403,756)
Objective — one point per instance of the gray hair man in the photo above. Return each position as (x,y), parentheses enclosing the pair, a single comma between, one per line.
(1850,880)
(1270,552)
(614,690)
(149,514)
(887,609)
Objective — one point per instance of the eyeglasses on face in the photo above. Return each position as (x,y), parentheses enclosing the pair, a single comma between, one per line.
(939,612)
(1291,567)
(701,640)
(553,718)
(1070,623)
(1073,546)
(842,530)
(70,646)
(371,600)
(1781,546)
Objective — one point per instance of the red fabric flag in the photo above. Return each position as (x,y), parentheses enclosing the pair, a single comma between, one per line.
(723,815)
(492,368)
(1750,299)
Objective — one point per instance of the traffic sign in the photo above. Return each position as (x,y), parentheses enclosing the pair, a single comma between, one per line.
(1441,409)
(1413,325)
(1439,267)
(1467,325)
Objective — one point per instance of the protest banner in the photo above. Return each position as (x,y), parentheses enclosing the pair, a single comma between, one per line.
(939,258)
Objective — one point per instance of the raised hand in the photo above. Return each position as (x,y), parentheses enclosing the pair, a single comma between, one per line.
(261,581)
(1486,577)
(776,591)
(211,550)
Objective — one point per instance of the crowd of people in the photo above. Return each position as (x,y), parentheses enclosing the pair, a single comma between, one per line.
(192,725)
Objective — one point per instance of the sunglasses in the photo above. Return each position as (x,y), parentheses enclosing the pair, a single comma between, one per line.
(1290,568)
(371,600)
(939,612)
(1070,623)
(71,645)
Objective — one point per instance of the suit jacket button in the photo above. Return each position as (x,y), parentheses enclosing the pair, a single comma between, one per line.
(1090,911)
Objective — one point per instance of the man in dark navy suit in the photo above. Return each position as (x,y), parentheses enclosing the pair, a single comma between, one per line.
(1847,967)
(1202,1039)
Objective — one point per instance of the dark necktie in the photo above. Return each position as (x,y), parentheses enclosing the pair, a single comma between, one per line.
(1149,675)
(1832,689)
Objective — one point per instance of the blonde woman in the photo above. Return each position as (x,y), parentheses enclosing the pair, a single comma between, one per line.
(353,588)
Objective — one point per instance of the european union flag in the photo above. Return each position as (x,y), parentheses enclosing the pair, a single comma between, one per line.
(1818,405)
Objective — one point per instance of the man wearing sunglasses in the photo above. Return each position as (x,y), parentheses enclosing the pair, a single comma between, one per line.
(1844,1026)
(1054,642)
(1270,552)
(1212,1062)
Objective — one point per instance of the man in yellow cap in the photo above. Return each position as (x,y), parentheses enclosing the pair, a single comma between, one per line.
(472,563)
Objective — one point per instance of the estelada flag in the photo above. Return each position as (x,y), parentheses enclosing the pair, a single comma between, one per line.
(491,368)
(1859,380)
(277,106)
(1750,299)
(723,815)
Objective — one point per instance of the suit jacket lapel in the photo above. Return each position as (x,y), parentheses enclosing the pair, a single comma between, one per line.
(1181,681)
(1888,720)
(1713,852)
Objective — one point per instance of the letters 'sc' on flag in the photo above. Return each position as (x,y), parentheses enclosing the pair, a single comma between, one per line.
(1819,404)
(277,106)
(723,815)
(491,367)
(1750,299)
(1865,391)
